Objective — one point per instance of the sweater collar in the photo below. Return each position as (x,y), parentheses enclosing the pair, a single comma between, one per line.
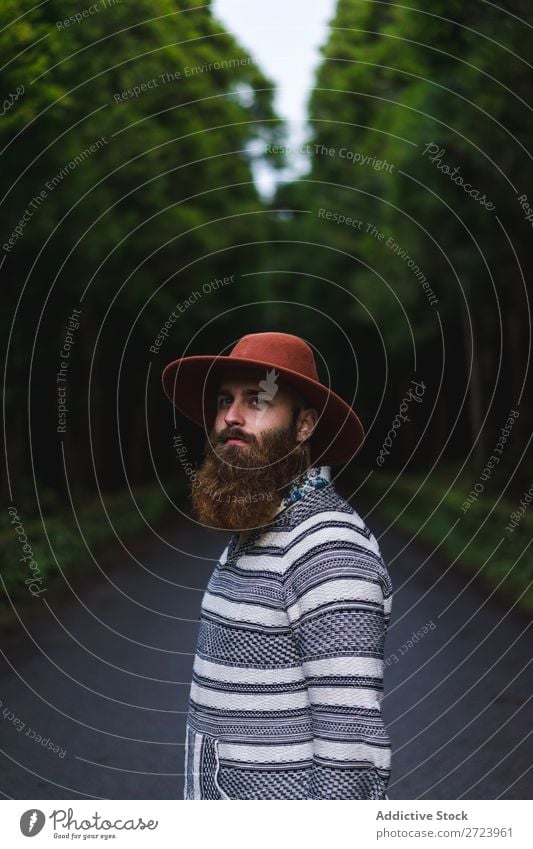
(315,477)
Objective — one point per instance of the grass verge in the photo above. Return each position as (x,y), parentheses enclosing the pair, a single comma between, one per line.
(34,554)
(477,540)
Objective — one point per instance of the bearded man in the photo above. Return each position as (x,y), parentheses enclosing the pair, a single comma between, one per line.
(285,701)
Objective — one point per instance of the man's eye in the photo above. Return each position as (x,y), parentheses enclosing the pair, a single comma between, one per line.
(253,400)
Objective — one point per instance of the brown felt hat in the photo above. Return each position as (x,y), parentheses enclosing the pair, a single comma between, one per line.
(191,384)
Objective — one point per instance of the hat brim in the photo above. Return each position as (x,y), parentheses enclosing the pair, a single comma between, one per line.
(190,384)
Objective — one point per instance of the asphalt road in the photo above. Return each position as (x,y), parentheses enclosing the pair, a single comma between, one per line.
(94,690)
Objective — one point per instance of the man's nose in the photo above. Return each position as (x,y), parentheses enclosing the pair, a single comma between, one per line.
(234,414)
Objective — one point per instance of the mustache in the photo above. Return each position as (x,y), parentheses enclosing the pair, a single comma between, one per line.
(232,433)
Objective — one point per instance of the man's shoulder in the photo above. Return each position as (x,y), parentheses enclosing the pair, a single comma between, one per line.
(324,521)
(325,507)
(321,533)
(323,538)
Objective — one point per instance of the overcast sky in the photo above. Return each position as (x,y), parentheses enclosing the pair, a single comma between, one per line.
(284,37)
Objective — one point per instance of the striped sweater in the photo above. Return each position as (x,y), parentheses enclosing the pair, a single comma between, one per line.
(288,672)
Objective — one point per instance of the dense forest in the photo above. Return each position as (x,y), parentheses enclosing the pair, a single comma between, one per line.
(127,145)
(129,138)
(414,214)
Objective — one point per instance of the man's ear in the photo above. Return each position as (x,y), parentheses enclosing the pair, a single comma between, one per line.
(306,423)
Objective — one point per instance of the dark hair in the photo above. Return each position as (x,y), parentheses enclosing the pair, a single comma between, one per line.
(299,403)
(295,413)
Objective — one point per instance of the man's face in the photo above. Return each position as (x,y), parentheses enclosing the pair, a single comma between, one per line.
(247,407)
(253,451)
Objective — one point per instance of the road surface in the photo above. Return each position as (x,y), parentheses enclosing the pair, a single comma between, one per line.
(94,691)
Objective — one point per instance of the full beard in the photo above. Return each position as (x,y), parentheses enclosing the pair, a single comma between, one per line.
(240,488)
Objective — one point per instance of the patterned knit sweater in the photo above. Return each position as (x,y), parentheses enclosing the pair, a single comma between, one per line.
(288,673)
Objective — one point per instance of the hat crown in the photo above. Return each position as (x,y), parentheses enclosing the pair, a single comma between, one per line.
(281,349)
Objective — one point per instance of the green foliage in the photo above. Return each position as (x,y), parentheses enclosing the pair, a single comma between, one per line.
(59,547)
(393,80)
(136,123)
(479,544)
